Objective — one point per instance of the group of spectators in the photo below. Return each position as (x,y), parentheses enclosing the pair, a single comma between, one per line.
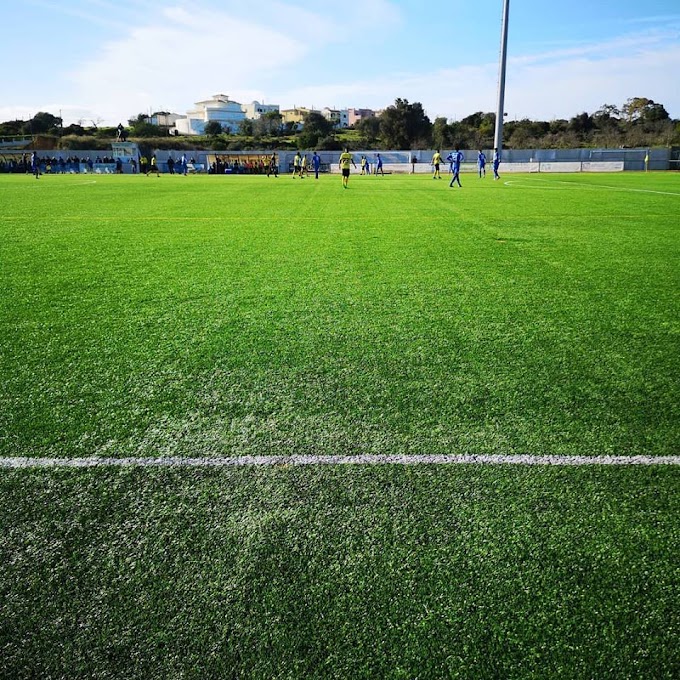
(222,165)
(59,165)
(47,164)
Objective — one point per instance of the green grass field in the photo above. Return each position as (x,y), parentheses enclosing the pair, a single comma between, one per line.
(223,316)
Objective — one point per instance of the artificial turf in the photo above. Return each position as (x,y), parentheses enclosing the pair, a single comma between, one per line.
(340,572)
(231,315)
(216,316)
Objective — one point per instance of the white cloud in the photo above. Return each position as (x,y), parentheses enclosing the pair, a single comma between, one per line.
(605,49)
(558,84)
(582,84)
(189,52)
(192,52)
(186,57)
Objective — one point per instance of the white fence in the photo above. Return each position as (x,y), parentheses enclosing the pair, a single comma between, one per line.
(529,167)
(567,166)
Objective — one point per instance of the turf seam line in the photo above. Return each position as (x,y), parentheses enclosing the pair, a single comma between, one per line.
(374,459)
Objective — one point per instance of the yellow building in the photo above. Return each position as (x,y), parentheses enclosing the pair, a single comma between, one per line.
(295,115)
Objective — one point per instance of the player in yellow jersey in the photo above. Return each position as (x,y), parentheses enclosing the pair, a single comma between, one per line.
(153,167)
(345,160)
(436,160)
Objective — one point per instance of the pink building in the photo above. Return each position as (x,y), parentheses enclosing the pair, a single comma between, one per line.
(355,115)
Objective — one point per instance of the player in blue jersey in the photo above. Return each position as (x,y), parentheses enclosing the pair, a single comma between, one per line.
(458,158)
(481,163)
(316,164)
(496,163)
(378,165)
(35,165)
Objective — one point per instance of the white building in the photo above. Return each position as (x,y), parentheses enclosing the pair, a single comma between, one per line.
(255,110)
(229,114)
(339,117)
(164,119)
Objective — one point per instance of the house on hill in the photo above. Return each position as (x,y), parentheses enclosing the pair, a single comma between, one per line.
(219,108)
(255,110)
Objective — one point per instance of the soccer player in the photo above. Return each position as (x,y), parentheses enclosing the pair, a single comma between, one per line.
(458,158)
(378,165)
(363,165)
(436,160)
(303,166)
(35,165)
(272,167)
(496,163)
(449,158)
(153,167)
(297,161)
(316,164)
(345,159)
(481,164)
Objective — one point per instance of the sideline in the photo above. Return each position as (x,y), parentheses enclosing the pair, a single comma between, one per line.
(284,461)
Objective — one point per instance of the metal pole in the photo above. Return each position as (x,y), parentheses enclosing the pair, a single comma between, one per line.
(498,136)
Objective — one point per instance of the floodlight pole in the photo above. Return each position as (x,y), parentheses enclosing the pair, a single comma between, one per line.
(498,136)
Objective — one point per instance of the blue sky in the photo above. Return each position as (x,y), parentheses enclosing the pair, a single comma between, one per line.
(107,61)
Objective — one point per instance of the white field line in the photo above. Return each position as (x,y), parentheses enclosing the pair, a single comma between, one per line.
(244,461)
(566,183)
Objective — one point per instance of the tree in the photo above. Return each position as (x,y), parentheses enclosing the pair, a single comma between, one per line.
(140,127)
(212,128)
(675,139)
(558,126)
(369,129)
(43,123)
(606,112)
(644,110)
(441,133)
(246,127)
(316,123)
(487,127)
(268,124)
(315,127)
(329,143)
(474,120)
(405,126)
(12,128)
(74,129)
(582,123)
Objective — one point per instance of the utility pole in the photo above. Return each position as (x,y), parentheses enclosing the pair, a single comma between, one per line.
(500,113)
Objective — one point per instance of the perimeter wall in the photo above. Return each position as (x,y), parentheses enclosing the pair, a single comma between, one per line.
(516,160)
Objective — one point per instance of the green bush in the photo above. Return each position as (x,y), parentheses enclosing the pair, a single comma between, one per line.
(84,142)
